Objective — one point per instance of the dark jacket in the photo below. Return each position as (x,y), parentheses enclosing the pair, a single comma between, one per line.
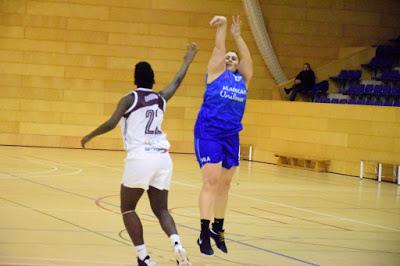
(307,78)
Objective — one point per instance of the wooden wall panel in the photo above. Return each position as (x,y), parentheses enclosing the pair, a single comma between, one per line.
(65,64)
(344,134)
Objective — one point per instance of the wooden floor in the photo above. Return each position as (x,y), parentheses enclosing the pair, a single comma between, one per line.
(61,207)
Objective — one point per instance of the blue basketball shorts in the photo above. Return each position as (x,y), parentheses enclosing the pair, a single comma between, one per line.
(225,150)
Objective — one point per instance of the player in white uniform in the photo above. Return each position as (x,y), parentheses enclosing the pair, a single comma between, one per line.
(148,166)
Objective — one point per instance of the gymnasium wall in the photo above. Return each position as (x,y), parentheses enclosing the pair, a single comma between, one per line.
(314,30)
(344,134)
(65,63)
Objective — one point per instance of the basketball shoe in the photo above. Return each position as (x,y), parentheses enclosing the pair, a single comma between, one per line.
(146,262)
(219,238)
(205,245)
(181,258)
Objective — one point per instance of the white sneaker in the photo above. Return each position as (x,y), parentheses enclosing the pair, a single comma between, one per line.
(146,262)
(181,258)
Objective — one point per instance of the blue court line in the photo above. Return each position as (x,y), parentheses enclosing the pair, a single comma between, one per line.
(258,248)
(273,252)
(149,215)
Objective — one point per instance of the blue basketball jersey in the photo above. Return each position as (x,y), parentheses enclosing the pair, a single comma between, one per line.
(223,106)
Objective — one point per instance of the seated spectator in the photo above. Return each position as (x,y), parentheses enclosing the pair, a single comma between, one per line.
(304,81)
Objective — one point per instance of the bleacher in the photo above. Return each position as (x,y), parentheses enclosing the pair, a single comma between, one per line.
(382,90)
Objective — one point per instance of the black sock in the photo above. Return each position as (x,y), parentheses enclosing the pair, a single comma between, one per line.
(205,226)
(218,224)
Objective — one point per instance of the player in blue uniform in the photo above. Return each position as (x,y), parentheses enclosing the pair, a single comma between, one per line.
(216,133)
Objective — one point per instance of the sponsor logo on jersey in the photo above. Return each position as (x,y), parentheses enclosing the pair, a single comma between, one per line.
(233,93)
(150,97)
(205,159)
(237,78)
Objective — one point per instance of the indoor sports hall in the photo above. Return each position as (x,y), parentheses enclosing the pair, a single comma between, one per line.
(318,180)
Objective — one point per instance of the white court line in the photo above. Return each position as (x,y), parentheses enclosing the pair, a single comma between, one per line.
(47,260)
(53,168)
(77,169)
(62,210)
(303,209)
(279,204)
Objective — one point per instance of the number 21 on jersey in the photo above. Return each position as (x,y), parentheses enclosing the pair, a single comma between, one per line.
(151,115)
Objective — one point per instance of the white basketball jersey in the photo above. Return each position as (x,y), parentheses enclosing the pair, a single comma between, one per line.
(141,124)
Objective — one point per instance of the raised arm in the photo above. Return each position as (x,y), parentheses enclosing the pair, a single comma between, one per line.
(246,63)
(216,65)
(170,89)
(110,124)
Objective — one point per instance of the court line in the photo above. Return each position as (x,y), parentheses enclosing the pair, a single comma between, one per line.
(76,244)
(236,241)
(346,249)
(122,232)
(52,187)
(60,260)
(318,213)
(53,168)
(260,217)
(87,197)
(38,159)
(71,193)
(62,220)
(55,217)
(24,264)
(303,209)
(284,205)
(258,248)
(290,206)
(304,219)
(279,204)
(194,215)
(49,186)
(383,210)
(44,230)
(101,201)
(244,244)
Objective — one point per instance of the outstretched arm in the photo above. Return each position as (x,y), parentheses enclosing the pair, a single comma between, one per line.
(170,89)
(110,124)
(216,65)
(246,63)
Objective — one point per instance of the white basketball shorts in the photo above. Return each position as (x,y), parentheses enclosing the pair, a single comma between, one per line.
(155,171)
